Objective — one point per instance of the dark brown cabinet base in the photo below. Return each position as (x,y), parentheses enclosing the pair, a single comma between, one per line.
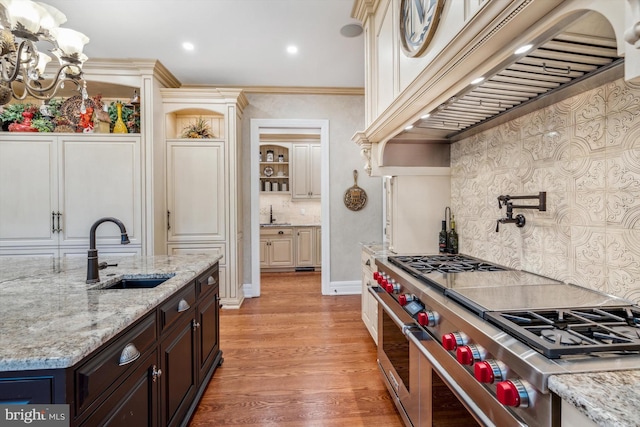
(179,353)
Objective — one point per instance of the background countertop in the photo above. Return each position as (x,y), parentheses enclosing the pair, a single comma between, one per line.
(610,399)
(52,319)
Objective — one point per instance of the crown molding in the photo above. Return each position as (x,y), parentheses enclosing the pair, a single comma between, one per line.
(288,90)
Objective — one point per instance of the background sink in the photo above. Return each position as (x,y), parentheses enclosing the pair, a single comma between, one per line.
(138,282)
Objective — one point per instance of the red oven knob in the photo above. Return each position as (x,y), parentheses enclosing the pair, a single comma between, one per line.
(469,354)
(404,299)
(513,393)
(376,275)
(383,282)
(489,371)
(452,340)
(428,318)
(391,286)
(464,355)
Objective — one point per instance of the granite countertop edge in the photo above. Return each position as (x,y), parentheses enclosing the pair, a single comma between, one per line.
(609,399)
(52,319)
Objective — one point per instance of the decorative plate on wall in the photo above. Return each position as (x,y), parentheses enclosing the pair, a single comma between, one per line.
(268,171)
(418,22)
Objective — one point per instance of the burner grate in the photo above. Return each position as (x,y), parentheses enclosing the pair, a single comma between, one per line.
(425,264)
(557,333)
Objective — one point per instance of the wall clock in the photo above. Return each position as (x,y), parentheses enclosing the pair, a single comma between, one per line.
(418,22)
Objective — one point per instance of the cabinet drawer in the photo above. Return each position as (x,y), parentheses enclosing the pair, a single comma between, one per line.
(207,281)
(177,306)
(102,370)
(26,391)
(276,231)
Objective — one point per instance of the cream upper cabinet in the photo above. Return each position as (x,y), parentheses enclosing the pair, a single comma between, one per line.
(54,187)
(305,167)
(195,212)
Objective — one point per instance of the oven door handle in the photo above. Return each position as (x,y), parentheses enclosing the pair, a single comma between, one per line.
(401,318)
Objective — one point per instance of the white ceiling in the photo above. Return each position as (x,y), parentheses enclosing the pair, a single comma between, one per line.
(237,42)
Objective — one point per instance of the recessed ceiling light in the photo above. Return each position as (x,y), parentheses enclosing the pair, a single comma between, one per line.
(476,81)
(188,46)
(351,30)
(523,49)
(292,49)
(409,127)
(426,116)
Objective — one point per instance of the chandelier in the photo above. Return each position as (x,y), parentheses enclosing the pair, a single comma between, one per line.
(23,24)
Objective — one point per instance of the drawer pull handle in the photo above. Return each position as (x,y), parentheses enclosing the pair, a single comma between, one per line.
(129,354)
(211,280)
(155,373)
(280,232)
(183,306)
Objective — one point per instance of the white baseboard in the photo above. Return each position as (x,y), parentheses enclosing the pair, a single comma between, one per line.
(351,287)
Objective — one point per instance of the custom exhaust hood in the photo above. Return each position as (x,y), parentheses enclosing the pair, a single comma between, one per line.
(561,63)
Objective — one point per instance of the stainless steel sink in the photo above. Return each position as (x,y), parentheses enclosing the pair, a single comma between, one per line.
(137,282)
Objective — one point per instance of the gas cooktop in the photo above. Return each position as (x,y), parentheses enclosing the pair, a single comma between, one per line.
(424,264)
(561,332)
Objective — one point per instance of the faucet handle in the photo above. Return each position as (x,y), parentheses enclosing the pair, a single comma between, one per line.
(103,265)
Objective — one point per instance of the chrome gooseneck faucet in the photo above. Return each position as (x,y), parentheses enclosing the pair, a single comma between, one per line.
(93,267)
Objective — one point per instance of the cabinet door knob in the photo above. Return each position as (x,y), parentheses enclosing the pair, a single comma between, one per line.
(183,305)
(195,325)
(155,373)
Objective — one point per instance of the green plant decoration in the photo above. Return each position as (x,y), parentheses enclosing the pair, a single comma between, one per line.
(43,124)
(199,129)
(13,112)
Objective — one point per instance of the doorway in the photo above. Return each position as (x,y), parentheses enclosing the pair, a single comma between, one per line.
(293,128)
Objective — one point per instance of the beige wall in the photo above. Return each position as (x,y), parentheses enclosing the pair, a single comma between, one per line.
(348,229)
(585,153)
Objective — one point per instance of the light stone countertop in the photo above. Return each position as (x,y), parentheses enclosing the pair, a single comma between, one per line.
(52,319)
(610,399)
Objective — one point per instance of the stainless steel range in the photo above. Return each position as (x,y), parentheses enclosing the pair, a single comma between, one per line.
(493,335)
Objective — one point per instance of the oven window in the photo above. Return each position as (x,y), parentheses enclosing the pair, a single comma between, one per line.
(396,347)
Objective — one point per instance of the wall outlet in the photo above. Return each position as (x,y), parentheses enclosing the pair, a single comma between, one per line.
(303,211)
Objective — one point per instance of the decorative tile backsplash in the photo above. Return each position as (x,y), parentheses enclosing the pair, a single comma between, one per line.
(286,210)
(585,153)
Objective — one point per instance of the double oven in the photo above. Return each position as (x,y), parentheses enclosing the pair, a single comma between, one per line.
(467,342)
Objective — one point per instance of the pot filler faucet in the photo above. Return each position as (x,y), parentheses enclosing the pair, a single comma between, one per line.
(519,220)
(93,266)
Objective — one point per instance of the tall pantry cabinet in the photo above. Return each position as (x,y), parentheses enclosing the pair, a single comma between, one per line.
(203,182)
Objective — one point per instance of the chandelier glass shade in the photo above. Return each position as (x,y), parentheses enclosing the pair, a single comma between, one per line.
(24,24)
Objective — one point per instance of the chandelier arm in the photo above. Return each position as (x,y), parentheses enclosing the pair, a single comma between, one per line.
(20,64)
(57,81)
(41,93)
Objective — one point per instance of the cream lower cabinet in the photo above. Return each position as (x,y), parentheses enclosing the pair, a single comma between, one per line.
(276,248)
(369,304)
(54,187)
(305,171)
(308,247)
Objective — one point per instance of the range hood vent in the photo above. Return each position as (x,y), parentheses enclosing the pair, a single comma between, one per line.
(566,59)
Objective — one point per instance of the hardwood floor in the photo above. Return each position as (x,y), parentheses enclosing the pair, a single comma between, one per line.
(296,358)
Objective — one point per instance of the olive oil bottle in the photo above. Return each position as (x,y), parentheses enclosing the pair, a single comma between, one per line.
(452,240)
(442,238)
